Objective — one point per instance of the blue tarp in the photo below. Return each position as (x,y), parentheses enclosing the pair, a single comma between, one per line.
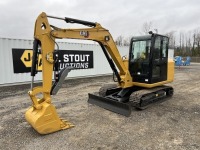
(187,61)
(178,61)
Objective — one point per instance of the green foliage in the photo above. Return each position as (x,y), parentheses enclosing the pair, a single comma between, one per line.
(187,52)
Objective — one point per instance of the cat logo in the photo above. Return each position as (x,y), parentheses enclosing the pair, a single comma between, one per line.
(84,33)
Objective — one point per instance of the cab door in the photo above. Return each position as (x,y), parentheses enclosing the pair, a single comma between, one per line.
(159,59)
(140,60)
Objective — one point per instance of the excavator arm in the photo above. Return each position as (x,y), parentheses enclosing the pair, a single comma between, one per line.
(42,115)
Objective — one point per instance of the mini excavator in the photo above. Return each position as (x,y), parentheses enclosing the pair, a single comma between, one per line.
(141,77)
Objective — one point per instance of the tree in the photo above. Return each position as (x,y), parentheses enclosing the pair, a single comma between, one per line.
(147,26)
(193,45)
(196,42)
(172,39)
(119,40)
(126,41)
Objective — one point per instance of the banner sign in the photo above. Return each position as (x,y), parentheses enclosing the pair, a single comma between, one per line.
(22,59)
(75,59)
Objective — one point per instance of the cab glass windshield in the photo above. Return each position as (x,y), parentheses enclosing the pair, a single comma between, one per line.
(141,49)
(139,62)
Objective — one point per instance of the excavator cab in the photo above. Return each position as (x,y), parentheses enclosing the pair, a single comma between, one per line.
(148,58)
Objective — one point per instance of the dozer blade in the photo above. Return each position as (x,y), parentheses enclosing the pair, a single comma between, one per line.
(110,104)
(46,120)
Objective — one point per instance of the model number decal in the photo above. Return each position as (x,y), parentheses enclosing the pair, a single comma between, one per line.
(84,33)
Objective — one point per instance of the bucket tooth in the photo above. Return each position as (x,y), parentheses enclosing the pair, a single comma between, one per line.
(46,120)
(65,124)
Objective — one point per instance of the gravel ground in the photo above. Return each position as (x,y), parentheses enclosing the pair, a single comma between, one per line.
(173,124)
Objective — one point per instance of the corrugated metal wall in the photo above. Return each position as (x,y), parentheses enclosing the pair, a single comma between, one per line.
(7,76)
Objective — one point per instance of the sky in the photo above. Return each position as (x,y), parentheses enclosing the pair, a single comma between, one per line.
(120,17)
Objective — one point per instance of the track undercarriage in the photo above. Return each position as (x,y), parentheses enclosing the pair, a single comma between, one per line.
(122,101)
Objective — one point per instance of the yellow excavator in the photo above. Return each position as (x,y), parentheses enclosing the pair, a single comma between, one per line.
(140,77)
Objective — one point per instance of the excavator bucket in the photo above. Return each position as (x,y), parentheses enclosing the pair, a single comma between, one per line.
(45,119)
